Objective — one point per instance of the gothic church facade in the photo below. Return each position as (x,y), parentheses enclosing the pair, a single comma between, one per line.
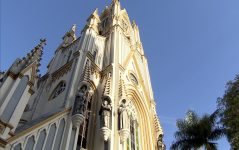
(96,94)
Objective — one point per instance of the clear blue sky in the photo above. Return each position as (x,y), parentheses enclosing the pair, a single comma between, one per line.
(192,46)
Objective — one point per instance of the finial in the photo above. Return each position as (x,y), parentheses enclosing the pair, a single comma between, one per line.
(73,28)
(96,11)
(42,42)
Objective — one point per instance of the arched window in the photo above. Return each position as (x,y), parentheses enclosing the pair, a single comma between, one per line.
(58,90)
(133,140)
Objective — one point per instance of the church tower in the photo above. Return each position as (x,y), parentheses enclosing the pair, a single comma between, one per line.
(96,94)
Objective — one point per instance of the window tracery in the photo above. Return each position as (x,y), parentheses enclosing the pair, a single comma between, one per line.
(59,89)
(133,140)
(133,79)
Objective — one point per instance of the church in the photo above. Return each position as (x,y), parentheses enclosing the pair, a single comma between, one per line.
(95,95)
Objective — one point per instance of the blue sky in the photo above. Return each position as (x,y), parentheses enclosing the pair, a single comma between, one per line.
(192,46)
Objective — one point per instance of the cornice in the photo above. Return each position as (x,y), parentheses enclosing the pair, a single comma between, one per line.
(61,71)
(106,69)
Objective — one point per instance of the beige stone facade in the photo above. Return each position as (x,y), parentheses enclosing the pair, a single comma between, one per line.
(96,94)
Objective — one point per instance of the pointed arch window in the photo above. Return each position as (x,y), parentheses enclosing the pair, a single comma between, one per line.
(83,131)
(58,90)
(134,140)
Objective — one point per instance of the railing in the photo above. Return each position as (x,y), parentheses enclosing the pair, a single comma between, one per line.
(47,134)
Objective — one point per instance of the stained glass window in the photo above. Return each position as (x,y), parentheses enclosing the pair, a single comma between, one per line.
(133,140)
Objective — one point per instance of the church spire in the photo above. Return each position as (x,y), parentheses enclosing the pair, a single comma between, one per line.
(33,56)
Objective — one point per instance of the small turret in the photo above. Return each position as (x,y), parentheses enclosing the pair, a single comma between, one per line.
(93,21)
(70,36)
(138,43)
(116,7)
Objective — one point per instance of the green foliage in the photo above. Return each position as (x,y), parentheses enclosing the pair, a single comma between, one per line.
(195,132)
(229,112)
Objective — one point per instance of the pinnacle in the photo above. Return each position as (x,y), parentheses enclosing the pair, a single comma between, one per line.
(107,90)
(73,28)
(95,11)
(36,53)
(33,56)
(86,73)
(133,23)
(115,1)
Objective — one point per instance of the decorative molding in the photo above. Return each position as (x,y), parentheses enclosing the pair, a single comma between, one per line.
(76,54)
(30,83)
(61,71)
(3,143)
(12,75)
(31,91)
(6,124)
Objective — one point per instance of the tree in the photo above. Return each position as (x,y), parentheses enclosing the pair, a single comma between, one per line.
(229,112)
(195,132)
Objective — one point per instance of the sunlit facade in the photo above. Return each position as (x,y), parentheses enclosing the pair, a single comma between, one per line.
(96,94)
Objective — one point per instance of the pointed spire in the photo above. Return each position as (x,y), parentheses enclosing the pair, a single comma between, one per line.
(92,21)
(86,73)
(134,24)
(94,16)
(95,12)
(73,28)
(107,90)
(35,54)
(116,7)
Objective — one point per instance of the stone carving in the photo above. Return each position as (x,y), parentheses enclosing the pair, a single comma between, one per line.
(105,112)
(123,115)
(160,143)
(80,101)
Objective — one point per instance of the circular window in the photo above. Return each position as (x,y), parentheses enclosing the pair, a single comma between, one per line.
(133,79)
